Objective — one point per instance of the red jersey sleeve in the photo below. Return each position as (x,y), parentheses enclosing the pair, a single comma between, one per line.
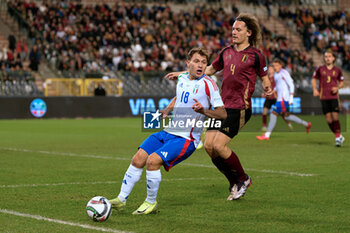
(218,62)
(340,76)
(316,74)
(262,69)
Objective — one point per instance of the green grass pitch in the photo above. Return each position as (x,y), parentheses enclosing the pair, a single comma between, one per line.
(53,167)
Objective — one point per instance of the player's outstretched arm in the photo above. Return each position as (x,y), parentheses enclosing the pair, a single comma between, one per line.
(173,75)
(217,113)
(266,84)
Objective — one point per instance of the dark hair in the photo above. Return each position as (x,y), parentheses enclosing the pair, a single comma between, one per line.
(252,24)
(200,50)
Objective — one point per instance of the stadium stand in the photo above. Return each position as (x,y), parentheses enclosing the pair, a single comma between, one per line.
(95,40)
(15,78)
(322,30)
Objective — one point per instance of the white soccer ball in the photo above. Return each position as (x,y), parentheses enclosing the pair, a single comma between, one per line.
(99,209)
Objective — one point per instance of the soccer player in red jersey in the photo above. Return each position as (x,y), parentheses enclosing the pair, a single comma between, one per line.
(330,79)
(240,62)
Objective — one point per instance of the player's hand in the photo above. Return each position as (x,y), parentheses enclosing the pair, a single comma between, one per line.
(164,113)
(198,107)
(268,91)
(316,93)
(291,97)
(334,90)
(263,95)
(172,75)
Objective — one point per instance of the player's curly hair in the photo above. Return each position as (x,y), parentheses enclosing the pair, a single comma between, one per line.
(252,24)
(200,50)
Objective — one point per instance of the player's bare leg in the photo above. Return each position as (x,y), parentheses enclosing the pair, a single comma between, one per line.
(131,177)
(231,160)
(209,142)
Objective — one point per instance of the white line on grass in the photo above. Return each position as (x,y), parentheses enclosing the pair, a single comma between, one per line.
(281,172)
(129,159)
(65,154)
(115,182)
(96,182)
(38,217)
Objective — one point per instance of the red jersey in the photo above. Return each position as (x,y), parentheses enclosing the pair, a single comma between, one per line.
(240,69)
(328,79)
(273,85)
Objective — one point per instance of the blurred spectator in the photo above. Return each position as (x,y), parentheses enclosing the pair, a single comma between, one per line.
(12,41)
(99,90)
(268,5)
(34,58)
(22,49)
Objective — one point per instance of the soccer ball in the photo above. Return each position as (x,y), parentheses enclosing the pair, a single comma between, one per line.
(99,209)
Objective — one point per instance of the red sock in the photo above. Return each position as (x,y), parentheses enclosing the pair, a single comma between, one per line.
(235,165)
(224,169)
(336,127)
(331,126)
(264,118)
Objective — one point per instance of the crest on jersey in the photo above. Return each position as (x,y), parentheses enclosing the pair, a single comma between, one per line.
(195,89)
(245,58)
(228,57)
(324,72)
(181,85)
(333,73)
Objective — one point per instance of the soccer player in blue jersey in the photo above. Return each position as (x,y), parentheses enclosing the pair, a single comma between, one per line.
(195,95)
